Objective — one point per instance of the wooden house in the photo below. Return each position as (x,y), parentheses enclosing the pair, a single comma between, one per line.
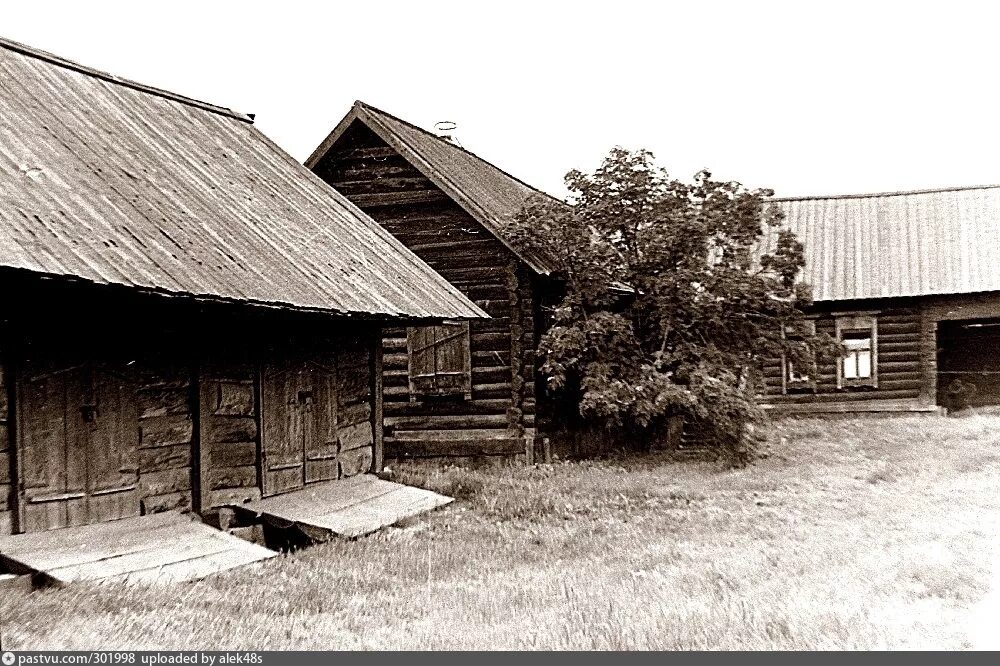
(191,318)
(910,283)
(457,389)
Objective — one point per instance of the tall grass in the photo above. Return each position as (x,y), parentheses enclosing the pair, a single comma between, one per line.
(851,533)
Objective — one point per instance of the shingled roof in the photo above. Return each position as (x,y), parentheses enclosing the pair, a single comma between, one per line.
(891,244)
(115,182)
(486,192)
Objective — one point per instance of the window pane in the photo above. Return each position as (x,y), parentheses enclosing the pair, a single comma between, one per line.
(864,364)
(858,343)
(851,366)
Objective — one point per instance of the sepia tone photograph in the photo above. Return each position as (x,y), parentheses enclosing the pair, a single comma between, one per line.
(522,326)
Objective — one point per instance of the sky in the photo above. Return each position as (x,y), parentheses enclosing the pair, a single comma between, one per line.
(805,98)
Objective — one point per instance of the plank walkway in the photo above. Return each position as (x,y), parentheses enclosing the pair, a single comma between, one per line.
(165,547)
(346,508)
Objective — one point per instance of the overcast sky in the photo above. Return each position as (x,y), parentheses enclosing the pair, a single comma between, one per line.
(805,98)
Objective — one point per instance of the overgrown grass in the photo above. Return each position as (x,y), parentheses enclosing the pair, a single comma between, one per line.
(852,533)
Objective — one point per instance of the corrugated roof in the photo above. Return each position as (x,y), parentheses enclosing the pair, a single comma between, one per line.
(891,244)
(119,183)
(489,194)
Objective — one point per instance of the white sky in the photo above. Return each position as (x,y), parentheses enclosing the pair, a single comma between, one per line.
(802,97)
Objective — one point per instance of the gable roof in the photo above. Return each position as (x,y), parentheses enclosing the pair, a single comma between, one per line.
(115,182)
(486,192)
(891,244)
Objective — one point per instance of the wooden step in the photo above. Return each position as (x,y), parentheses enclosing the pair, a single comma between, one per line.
(164,547)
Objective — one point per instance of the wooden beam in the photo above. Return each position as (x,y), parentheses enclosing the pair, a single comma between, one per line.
(396,198)
(408,447)
(14,500)
(375,376)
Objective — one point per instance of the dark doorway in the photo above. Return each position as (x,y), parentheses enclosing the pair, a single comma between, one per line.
(969,363)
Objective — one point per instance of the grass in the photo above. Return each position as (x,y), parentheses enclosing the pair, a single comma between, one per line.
(860,534)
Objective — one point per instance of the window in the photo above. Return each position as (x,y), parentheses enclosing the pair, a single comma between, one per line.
(859,366)
(799,376)
(858,362)
(439,361)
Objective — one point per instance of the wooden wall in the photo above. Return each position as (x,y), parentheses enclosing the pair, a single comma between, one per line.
(356,431)
(229,432)
(196,408)
(909,346)
(900,360)
(166,437)
(498,420)
(6,459)
(232,417)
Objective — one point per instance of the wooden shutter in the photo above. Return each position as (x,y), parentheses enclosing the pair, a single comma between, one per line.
(439,360)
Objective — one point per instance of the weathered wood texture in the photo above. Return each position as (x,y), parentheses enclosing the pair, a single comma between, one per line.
(166,436)
(78,447)
(110,424)
(164,548)
(307,411)
(228,423)
(348,508)
(440,232)
(899,367)
(6,457)
(914,334)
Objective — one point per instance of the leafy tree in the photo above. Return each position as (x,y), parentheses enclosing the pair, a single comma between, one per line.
(670,307)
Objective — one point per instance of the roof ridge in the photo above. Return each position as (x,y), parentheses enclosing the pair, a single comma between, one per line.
(897,193)
(65,63)
(369,107)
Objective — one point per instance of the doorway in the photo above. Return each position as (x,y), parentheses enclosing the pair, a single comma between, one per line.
(969,363)
(78,444)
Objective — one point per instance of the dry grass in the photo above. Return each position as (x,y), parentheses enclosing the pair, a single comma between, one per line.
(874,533)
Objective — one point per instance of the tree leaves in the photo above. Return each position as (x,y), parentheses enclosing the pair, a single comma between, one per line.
(671,301)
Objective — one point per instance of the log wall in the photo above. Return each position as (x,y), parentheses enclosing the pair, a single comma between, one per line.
(909,345)
(498,420)
(199,427)
(900,362)
(355,424)
(6,459)
(229,432)
(166,437)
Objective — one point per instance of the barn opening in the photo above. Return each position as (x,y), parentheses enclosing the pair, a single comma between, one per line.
(969,363)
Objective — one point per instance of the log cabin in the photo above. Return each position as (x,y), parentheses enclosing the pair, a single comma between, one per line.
(191,318)
(463,389)
(909,282)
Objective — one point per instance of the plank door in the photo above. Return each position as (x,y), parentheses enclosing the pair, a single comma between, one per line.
(111,426)
(299,425)
(78,446)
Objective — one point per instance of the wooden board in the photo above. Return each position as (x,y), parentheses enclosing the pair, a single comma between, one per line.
(300,425)
(165,547)
(855,406)
(79,445)
(348,508)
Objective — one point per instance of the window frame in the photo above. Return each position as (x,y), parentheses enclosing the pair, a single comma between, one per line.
(808,384)
(462,391)
(861,324)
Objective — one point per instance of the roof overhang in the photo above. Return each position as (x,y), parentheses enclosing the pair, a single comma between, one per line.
(360,112)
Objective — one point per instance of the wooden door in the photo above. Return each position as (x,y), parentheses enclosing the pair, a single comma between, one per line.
(299,425)
(78,446)
(111,426)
